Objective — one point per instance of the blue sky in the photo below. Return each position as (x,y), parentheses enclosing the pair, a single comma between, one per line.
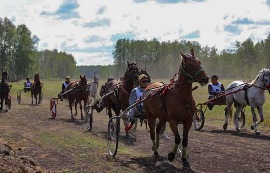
(88,29)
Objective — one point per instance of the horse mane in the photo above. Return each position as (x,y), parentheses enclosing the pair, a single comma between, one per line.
(262,72)
(126,75)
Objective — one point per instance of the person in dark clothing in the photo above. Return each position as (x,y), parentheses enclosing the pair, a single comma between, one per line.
(64,86)
(214,89)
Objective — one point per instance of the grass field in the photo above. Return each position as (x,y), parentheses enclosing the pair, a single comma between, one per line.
(51,88)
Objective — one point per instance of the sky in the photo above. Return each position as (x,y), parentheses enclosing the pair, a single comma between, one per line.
(89,29)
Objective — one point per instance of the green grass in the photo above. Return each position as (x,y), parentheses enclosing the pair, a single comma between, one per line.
(51,88)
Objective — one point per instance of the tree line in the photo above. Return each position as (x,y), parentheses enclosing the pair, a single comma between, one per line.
(162,59)
(20,57)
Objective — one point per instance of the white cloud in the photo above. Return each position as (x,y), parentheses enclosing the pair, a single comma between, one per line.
(145,20)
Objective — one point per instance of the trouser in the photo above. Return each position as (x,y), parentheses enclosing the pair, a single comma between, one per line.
(134,113)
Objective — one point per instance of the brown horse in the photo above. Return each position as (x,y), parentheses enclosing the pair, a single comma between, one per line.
(122,89)
(36,89)
(78,93)
(176,105)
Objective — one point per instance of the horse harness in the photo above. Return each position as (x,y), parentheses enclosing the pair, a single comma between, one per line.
(191,79)
(245,87)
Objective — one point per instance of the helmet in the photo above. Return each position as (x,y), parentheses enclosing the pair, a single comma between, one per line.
(27,78)
(67,78)
(110,79)
(142,76)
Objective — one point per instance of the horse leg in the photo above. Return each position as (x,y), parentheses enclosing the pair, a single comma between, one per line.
(228,112)
(32,98)
(256,123)
(39,98)
(81,110)
(2,101)
(70,107)
(177,140)
(236,115)
(159,126)
(76,103)
(152,124)
(6,103)
(36,99)
(186,128)
(110,112)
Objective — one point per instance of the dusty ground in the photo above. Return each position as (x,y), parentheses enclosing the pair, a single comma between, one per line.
(62,145)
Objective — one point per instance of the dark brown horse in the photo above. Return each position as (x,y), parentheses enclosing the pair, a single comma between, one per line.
(176,105)
(4,91)
(120,99)
(36,89)
(78,92)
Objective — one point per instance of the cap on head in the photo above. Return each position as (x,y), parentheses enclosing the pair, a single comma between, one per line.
(142,76)
(27,78)
(110,79)
(214,77)
(67,78)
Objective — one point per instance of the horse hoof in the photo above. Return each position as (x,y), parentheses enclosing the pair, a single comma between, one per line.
(171,156)
(225,127)
(258,133)
(238,131)
(252,127)
(156,154)
(185,163)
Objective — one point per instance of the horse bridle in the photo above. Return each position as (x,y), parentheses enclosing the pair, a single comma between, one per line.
(191,78)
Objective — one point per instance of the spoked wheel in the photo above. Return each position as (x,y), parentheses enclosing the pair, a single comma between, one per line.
(112,137)
(41,95)
(198,119)
(9,102)
(241,120)
(19,96)
(89,118)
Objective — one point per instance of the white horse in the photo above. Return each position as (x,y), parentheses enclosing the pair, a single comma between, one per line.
(251,94)
(93,88)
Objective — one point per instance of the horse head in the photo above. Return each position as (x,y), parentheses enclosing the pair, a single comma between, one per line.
(191,69)
(83,83)
(4,77)
(132,71)
(263,79)
(36,78)
(96,78)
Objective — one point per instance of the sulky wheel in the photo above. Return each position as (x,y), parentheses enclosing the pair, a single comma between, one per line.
(9,102)
(41,96)
(89,118)
(112,137)
(198,120)
(19,99)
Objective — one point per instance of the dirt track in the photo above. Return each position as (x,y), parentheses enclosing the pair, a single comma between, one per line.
(62,145)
